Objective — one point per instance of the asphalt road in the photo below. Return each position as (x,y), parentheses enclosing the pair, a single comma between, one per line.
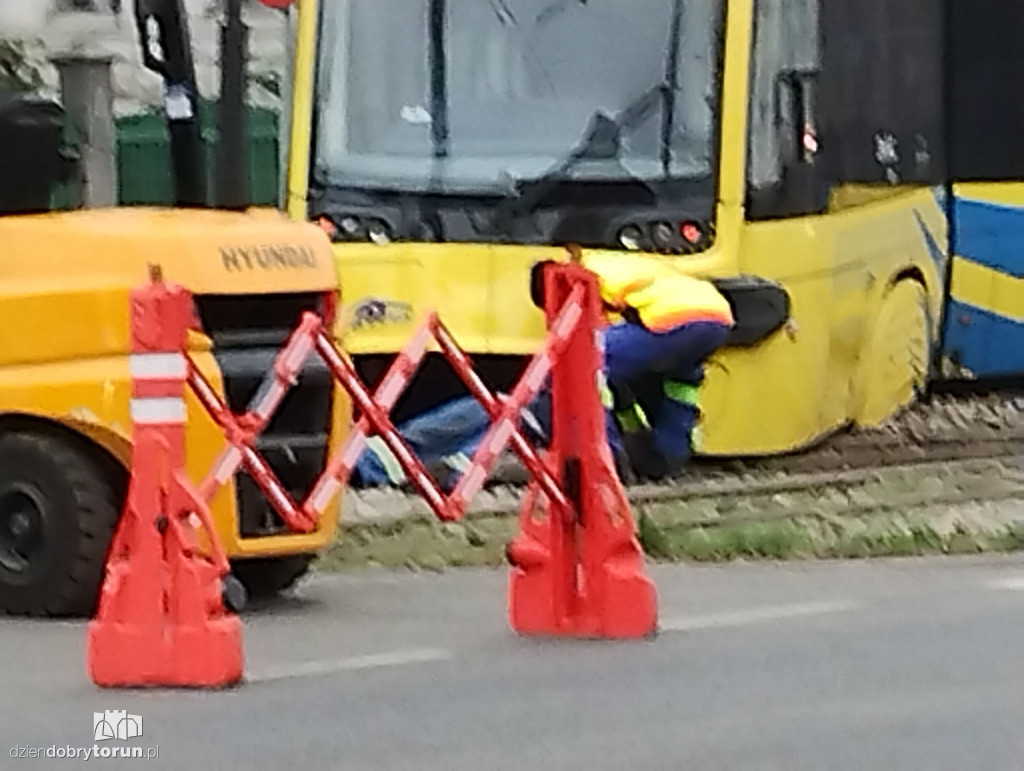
(915,664)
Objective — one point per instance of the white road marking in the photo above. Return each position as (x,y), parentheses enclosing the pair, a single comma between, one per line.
(754,616)
(1015,584)
(354,663)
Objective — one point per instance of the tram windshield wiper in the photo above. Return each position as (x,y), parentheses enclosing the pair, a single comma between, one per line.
(602,141)
(603,137)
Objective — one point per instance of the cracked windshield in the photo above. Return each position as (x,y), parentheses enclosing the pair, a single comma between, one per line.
(471,94)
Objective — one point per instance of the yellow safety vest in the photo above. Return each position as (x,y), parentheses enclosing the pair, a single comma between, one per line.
(662,297)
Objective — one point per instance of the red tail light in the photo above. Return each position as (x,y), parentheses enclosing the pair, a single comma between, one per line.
(328,227)
(691,232)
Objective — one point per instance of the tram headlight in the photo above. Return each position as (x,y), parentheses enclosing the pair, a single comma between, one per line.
(664,236)
(631,238)
(352,228)
(378,232)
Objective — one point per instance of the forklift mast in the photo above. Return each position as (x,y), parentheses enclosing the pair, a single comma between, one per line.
(167,50)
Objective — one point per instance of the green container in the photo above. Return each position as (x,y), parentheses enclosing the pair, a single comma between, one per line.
(144,158)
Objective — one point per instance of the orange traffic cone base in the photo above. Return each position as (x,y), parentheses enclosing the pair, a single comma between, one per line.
(126,656)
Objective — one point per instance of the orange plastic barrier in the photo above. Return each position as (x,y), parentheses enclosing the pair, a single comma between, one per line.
(578,568)
(163,616)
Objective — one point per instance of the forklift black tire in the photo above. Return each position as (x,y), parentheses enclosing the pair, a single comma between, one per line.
(59,505)
(233,594)
(266,576)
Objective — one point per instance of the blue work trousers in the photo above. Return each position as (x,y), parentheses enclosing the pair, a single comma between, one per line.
(639,362)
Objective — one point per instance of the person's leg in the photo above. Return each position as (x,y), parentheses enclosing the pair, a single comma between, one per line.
(440,433)
(677,412)
(637,430)
(535,424)
(630,353)
(672,435)
(536,420)
(443,431)
(684,350)
(377,467)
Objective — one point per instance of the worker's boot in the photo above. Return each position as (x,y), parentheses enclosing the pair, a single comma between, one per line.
(646,460)
(623,466)
(638,453)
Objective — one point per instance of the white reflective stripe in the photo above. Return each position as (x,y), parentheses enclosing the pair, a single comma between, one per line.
(162,410)
(151,366)
(353,451)
(297,357)
(228,465)
(568,320)
(417,347)
(539,373)
(391,390)
(325,494)
(270,402)
(475,480)
(280,499)
(501,437)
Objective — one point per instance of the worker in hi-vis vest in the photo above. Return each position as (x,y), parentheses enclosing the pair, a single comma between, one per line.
(667,325)
(654,366)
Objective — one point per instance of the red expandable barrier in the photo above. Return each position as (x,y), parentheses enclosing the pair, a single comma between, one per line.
(505,414)
(161,619)
(241,431)
(577,565)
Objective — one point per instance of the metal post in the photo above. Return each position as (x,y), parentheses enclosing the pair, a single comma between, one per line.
(288,107)
(234,129)
(163,27)
(87,93)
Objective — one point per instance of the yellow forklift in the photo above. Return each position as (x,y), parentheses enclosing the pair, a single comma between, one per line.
(65,376)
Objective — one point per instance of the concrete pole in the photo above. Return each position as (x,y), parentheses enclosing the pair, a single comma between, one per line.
(88,97)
